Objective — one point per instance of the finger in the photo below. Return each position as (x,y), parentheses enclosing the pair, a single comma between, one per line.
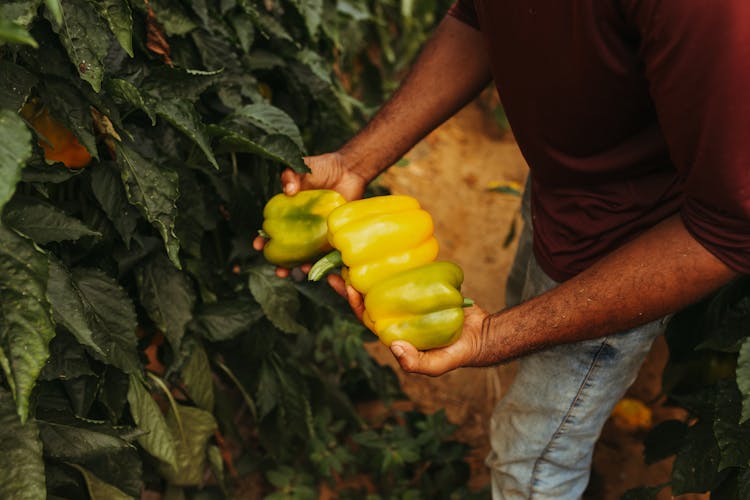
(259,242)
(356,301)
(282,272)
(433,363)
(290,181)
(337,283)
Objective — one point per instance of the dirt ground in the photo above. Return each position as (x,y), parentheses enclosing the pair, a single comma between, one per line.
(449,172)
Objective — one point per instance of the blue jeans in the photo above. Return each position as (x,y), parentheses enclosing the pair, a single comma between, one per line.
(544,430)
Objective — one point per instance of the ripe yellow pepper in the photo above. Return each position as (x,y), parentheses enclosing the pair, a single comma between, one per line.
(423,306)
(381,236)
(387,247)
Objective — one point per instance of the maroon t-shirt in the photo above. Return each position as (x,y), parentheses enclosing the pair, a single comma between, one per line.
(627,111)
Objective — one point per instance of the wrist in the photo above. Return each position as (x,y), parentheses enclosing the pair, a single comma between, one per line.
(494,341)
(359,163)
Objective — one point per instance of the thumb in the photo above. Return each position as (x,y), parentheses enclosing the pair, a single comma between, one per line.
(433,363)
(290,182)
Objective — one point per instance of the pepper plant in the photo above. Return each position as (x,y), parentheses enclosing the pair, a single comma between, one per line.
(144,345)
(708,374)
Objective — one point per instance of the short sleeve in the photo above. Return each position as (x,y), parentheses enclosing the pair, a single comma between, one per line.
(697,63)
(464,11)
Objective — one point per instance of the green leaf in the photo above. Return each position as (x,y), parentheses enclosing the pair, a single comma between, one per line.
(270,119)
(168,296)
(44,223)
(55,9)
(312,12)
(120,20)
(113,393)
(226,319)
(67,306)
(110,193)
(25,323)
(281,386)
(85,37)
(125,91)
(15,149)
(21,12)
(166,82)
(67,360)
(110,314)
(81,392)
(170,15)
(695,468)
(183,116)
(315,62)
(277,297)
(78,440)
(158,440)
(743,379)
(281,477)
(245,30)
(743,487)
(216,461)
(15,85)
(21,459)
(194,215)
(199,427)
(100,490)
(323,295)
(43,174)
(11,32)
(122,468)
(268,25)
(245,395)
(154,190)
(292,483)
(279,148)
(198,380)
(733,440)
(355,10)
(268,395)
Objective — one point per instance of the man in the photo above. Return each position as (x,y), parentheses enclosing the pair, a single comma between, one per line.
(635,120)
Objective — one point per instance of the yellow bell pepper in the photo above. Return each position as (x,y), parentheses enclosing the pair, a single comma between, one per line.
(423,306)
(381,236)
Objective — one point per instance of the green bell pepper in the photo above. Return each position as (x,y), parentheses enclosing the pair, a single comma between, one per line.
(296,226)
(423,306)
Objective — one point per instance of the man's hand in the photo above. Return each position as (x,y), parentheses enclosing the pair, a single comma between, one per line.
(355,299)
(328,171)
(466,351)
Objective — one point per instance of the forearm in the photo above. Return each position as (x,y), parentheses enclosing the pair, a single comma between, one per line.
(659,273)
(451,70)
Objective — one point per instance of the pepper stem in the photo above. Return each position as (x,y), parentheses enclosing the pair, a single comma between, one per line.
(264,234)
(325,264)
(467,302)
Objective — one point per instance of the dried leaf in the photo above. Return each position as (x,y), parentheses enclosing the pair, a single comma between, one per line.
(156,41)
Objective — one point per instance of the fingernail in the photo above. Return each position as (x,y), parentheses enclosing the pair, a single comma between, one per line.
(397,350)
(288,187)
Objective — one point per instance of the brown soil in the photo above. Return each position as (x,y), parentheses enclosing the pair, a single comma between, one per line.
(449,172)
